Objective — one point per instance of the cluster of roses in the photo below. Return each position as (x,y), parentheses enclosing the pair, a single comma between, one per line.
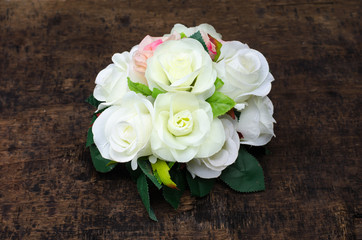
(187,97)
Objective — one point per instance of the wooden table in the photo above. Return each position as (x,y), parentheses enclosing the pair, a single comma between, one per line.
(50,54)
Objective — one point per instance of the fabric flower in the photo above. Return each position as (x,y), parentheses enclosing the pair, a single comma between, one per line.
(121,133)
(211,167)
(111,82)
(144,51)
(256,121)
(245,72)
(181,65)
(205,30)
(184,128)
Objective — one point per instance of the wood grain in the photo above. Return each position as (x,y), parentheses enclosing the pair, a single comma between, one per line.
(50,53)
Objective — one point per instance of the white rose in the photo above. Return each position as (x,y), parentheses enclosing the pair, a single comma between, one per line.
(244,71)
(211,167)
(203,28)
(256,121)
(111,82)
(122,132)
(184,128)
(181,65)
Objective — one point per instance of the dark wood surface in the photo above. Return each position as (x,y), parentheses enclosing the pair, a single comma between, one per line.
(50,54)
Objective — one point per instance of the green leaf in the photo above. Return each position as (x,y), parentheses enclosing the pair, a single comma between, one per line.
(134,173)
(142,188)
(197,36)
(90,139)
(146,168)
(157,177)
(100,163)
(220,103)
(199,187)
(218,83)
(93,101)
(156,91)
(170,164)
(245,175)
(163,173)
(112,163)
(183,35)
(173,196)
(139,88)
(218,46)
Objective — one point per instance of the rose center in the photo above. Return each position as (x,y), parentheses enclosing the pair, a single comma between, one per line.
(179,66)
(126,134)
(181,123)
(247,63)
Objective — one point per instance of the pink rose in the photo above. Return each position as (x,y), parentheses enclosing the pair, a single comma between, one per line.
(208,33)
(145,50)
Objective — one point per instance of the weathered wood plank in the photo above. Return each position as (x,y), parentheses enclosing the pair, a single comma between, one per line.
(50,54)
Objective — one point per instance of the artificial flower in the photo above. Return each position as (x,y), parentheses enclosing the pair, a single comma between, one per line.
(184,128)
(122,132)
(181,65)
(256,122)
(211,167)
(245,72)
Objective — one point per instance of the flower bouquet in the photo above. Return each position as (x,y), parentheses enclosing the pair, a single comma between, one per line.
(182,110)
